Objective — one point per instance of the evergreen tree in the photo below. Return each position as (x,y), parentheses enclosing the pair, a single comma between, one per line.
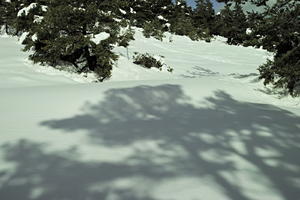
(233,23)
(230,2)
(203,17)
(65,36)
(9,10)
(28,14)
(181,20)
(137,11)
(275,29)
(2,12)
(149,15)
(280,33)
(253,37)
(157,21)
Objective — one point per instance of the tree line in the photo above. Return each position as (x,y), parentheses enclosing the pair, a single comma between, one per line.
(83,33)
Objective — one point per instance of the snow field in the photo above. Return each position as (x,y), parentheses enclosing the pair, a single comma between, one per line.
(205,131)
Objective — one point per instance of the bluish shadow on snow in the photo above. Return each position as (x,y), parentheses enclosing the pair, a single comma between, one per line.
(40,175)
(203,141)
(198,71)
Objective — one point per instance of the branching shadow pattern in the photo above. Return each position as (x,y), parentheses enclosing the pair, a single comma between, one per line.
(191,141)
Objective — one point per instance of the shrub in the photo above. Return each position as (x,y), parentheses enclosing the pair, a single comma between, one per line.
(147,61)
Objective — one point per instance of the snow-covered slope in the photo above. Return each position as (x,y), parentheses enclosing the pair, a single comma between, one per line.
(209,130)
(189,59)
(16,70)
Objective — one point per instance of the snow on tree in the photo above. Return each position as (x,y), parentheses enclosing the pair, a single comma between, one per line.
(71,33)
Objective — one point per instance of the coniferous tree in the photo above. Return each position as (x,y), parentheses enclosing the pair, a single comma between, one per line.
(149,15)
(253,37)
(277,30)
(68,32)
(280,33)
(203,18)
(181,20)
(138,11)
(82,33)
(233,23)
(29,14)
(2,12)
(156,25)
(9,14)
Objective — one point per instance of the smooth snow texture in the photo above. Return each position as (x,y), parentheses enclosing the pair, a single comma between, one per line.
(190,59)
(209,130)
(99,37)
(17,71)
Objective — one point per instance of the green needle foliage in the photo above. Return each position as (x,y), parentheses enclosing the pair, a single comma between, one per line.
(64,36)
(83,33)
(280,31)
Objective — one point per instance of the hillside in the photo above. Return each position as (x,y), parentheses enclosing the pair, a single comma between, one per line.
(208,130)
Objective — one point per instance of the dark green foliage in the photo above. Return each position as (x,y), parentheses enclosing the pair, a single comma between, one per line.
(204,18)
(182,22)
(62,32)
(280,34)
(8,13)
(183,25)
(280,27)
(2,12)
(65,37)
(154,29)
(147,61)
(152,16)
(229,2)
(253,37)
(159,16)
(232,24)
(139,11)
(283,72)
(276,30)
(124,39)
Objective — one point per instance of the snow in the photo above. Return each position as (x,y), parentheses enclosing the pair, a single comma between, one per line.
(44,8)
(99,37)
(22,37)
(34,37)
(209,130)
(17,72)
(248,31)
(123,11)
(3,32)
(162,18)
(190,59)
(132,11)
(26,9)
(38,19)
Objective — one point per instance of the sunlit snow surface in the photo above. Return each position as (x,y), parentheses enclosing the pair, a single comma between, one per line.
(207,131)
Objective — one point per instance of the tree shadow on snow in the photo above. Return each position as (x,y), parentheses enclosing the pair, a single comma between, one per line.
(42,175)
(190,141)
